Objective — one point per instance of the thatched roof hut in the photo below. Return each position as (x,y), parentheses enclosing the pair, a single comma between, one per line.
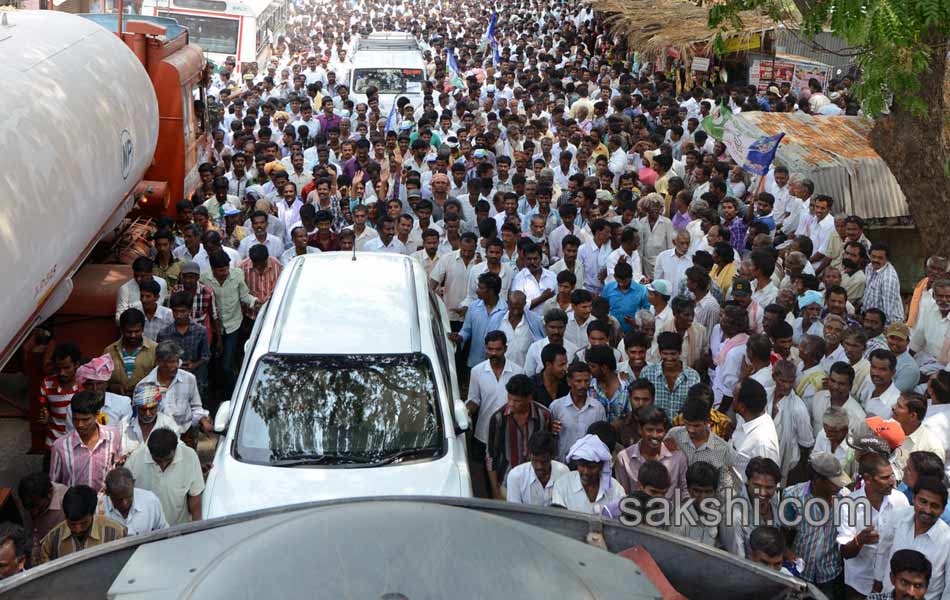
(652,26)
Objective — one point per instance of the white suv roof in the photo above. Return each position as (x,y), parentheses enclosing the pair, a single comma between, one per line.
(328,302)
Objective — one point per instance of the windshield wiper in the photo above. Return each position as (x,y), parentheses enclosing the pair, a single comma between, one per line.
(407,452)
(330,458)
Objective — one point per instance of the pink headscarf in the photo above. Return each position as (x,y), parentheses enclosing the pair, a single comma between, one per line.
(97,369)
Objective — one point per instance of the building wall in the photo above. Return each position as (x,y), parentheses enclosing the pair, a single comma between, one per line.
(906,253)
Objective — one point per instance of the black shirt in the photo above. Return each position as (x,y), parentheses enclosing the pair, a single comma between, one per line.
(541,395)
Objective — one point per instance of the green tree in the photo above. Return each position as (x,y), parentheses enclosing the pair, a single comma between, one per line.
(902,48)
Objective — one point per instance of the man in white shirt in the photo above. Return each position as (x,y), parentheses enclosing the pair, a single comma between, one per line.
(450,276)
(386,240)
(532,482)
(363,232)
(938,413)
(537,283)
(627,252)
(930,340)
(878,394)
(917,527)
(299,246)
(821,230)
(858,533)
(555,324)
(591,488)
(593,255)
(671,264)
(909,411)
(758,356)
(755,434)
(579,318)
(493,263)
(776,183)
(791,417)
(315,71)
(487,394)
(130,294)
(429,254)
(837,392)
(522,328)
(275,247)
(139,510)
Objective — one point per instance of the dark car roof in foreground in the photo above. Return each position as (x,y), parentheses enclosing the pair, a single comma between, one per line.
(417,547)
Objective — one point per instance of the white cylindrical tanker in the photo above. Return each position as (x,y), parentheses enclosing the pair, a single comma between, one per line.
(78,129)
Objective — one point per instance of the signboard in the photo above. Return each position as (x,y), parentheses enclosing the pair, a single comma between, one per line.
(700,63)
(739,44)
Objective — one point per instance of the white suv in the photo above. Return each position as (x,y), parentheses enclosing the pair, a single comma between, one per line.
(348,389)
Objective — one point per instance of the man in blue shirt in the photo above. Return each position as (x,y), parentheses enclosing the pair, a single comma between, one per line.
(764,203)
(479,314)
(922,464)
(625,296)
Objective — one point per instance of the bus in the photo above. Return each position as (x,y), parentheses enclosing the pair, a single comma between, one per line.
(245,29)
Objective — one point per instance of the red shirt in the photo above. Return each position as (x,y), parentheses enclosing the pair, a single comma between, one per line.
(56,400)
(261,284)
(333,243)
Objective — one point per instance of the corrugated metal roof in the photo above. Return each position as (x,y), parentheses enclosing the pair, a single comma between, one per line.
(834,152)
(824,47)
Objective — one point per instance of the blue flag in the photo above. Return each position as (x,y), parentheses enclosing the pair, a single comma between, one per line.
(455,73)
(391,119)
(489,38)
(751,151)
(762,153)
(490,33)
(496,55)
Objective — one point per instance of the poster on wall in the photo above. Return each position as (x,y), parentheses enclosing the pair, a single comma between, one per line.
(764,72)
(805,71)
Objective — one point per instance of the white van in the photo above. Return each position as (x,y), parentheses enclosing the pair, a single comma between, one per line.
(391,61)
(348,389)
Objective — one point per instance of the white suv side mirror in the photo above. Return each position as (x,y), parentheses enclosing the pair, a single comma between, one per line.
(222,417)
(462,420)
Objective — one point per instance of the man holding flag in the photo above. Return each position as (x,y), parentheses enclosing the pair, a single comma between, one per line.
(744,144)
(490,38)
(454,78)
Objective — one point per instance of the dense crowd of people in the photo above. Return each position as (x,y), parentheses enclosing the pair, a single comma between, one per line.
(633,315)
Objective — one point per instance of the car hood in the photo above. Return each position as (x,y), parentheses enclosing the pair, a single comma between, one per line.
(236,487)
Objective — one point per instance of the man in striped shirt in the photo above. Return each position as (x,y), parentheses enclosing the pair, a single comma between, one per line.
(510,429)
(85,455)
(261,271)
(816,538)
(57,391)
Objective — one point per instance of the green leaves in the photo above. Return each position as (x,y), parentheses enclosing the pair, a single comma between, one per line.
(894,40)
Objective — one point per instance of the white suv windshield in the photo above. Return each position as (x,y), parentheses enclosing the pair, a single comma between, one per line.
(388,81)
(340,409)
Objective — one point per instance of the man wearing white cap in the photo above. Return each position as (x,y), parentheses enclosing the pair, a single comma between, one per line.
(808,323)
(590,488)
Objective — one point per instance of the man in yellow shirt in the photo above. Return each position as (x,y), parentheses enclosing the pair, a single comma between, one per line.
(82,529)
